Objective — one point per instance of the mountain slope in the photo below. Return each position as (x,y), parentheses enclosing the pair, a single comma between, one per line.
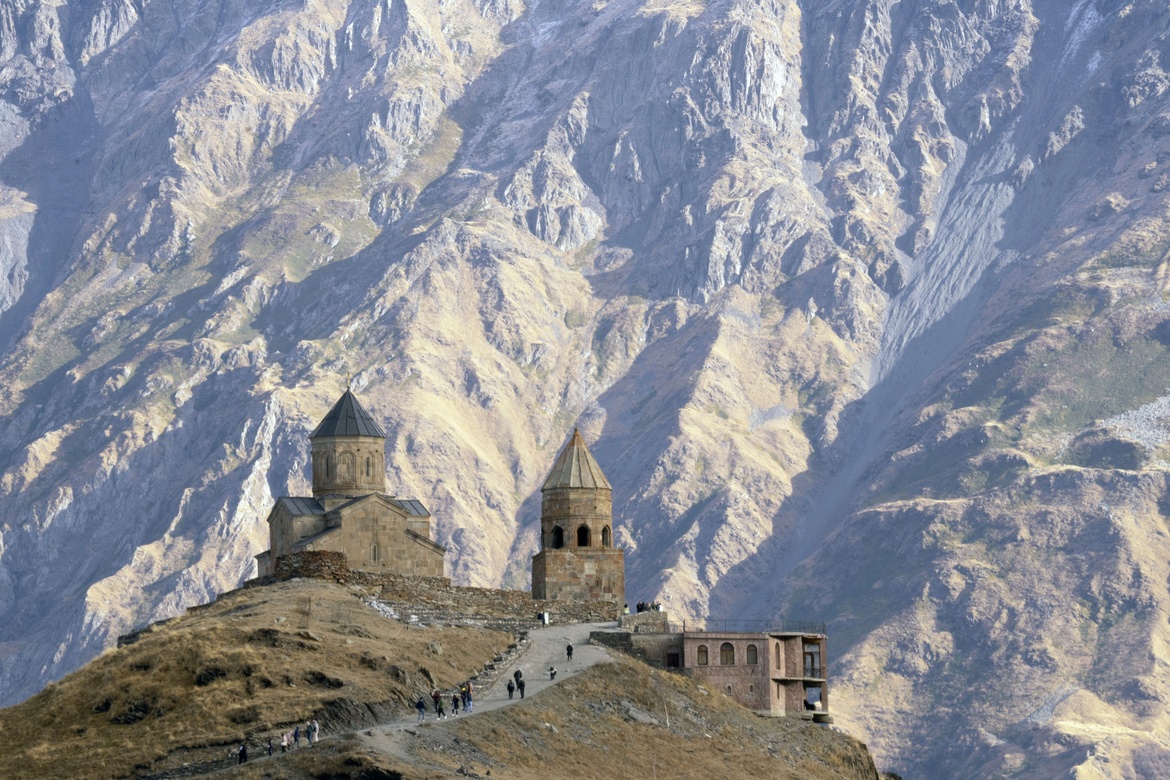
(811,276)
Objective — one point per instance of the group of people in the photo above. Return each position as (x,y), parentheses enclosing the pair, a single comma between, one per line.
(463,698)
(516,684)
(644,606)
(288,740)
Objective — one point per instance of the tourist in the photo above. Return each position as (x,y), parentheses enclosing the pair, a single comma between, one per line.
(455,704)
(520,685)
(569,651)
(552,673)
(516,675)
(437,698)
(316,731)
(511,688)
(421,706)
(297,736)
(270,746)
(625,609)
(243,753)
(284,742)
(468,701)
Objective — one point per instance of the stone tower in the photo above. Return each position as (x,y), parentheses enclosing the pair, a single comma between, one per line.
(348,451)
(577,559)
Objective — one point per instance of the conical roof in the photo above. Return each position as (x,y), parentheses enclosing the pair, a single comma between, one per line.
(576,468)
(348,418)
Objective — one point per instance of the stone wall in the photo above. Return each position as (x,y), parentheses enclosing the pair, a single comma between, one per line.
(647,622)
(316,564)
(579,575)
(436,596)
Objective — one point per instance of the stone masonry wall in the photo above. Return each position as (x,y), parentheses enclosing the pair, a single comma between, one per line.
(317,564)
(579,575)
(438,594)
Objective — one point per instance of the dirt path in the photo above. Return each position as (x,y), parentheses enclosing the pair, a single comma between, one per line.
(546,647)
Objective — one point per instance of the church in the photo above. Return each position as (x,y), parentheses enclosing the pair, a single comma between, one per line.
(349,511)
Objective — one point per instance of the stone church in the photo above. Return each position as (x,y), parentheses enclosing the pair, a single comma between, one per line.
(349,511)
(577,560)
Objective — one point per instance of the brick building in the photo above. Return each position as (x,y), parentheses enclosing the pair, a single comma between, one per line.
(577,560)
(349,511)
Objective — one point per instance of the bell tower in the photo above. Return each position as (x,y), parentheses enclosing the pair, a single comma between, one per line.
(348,451)
(577,560)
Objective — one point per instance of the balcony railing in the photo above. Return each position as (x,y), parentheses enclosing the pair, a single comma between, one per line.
(753,626)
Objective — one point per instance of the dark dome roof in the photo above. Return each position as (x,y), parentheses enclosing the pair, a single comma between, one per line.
(348,418)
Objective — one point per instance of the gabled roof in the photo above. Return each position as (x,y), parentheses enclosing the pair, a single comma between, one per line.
(299,507)
(576,468)
(348,418)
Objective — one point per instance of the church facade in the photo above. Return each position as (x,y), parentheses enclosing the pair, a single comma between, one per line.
(577,560)
(349,511)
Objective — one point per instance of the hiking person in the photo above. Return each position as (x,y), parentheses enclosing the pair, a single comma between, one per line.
(421,706)
(284,742)
(297,736)
(469,701)
(455,704)
(552,673)
(569,651)
(270,746)
(316,731)
(243,753)
(437,698)
(511,688)
(520,685)
(516,675)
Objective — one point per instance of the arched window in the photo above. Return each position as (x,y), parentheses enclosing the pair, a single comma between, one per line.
(606,541)
(583,539)
(701,653)
(752,656)
(727,654)
(558,537)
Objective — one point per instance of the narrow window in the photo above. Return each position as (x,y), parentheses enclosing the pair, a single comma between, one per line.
(702,655)
(779,656)
(583,539)
(558,537)
(752,656)
(727,654)
(374,554)
(605,539)
(328,466)
(367,465)
(751,689)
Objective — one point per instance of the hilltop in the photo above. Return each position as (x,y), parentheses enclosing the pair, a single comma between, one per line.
(177,699)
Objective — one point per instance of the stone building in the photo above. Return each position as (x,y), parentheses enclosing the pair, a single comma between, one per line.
(349,511)
(778,671)
(772,672)
(577,560)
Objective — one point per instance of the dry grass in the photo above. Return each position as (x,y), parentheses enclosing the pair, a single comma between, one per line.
(187,690)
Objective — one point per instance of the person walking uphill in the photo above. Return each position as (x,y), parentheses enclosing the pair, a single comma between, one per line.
(511,688)
(521,687)
(455,705)
(437,698)
(569,651)
(421,706)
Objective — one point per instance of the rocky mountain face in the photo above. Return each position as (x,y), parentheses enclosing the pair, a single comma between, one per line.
(864,305)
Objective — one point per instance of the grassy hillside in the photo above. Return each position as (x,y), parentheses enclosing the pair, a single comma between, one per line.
(176,702)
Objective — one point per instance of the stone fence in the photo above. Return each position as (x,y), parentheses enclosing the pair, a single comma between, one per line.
(316,564)
(436,600)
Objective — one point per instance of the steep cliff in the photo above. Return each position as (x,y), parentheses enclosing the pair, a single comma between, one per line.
(864,305)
